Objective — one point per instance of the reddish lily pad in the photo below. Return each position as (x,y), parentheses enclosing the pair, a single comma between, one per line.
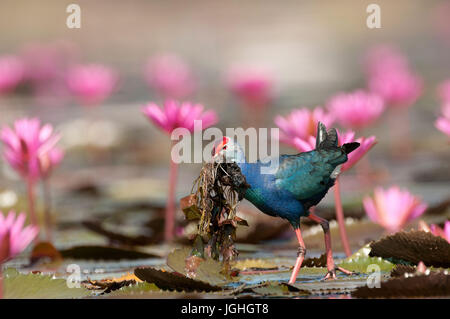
(413,246)
(432,285)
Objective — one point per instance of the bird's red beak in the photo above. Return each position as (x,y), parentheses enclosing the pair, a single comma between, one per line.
(220,146)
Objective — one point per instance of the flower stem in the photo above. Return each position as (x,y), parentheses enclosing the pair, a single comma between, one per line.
(340,218)
(401,140)
(1,282)
(169,229)
(47,210)
(31,207)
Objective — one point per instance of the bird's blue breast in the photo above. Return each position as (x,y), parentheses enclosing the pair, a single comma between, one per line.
(270,198)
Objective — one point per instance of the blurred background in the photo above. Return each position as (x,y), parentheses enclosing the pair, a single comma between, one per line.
(312,49)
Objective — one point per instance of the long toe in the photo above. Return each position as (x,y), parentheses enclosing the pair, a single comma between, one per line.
(331,275)
(345,271)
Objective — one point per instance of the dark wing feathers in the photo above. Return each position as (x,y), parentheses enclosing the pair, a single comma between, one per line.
(308,175)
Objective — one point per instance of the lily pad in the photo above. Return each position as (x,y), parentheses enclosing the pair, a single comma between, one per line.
(274,288)
(401,270)
(209,270)
(339,286)
(134,289)
(431,285)
(413,246)
(123,239)
(31,286)
(364,264)
(172,281)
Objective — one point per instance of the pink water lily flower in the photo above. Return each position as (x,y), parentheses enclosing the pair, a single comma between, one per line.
(397,88)
(170,76)
(393,208)
(11,73)
(14,237)
(390,76)
(47,62)
(301,124)
(91,83)
(443,122)
(383,58)
(25,143)
(253,86)
(438,231)
(356,109)
(175,115)
(366,143)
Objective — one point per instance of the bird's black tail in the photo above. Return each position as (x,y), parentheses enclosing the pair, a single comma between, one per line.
(329,140)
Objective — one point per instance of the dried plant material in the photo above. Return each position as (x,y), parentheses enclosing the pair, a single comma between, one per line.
(401,270)
(218,190)
(173,281)
(419,285)
(316,262)
(103,253)
(413,247)
(191,265)
(189,207)
(123,239)
(112,284)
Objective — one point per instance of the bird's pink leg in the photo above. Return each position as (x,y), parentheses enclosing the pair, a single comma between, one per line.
(340,218)
(330,261)
(300,256)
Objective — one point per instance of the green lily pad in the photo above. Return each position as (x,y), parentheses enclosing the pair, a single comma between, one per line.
(135,289)
(366,264)
(208,270)
(30,286)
